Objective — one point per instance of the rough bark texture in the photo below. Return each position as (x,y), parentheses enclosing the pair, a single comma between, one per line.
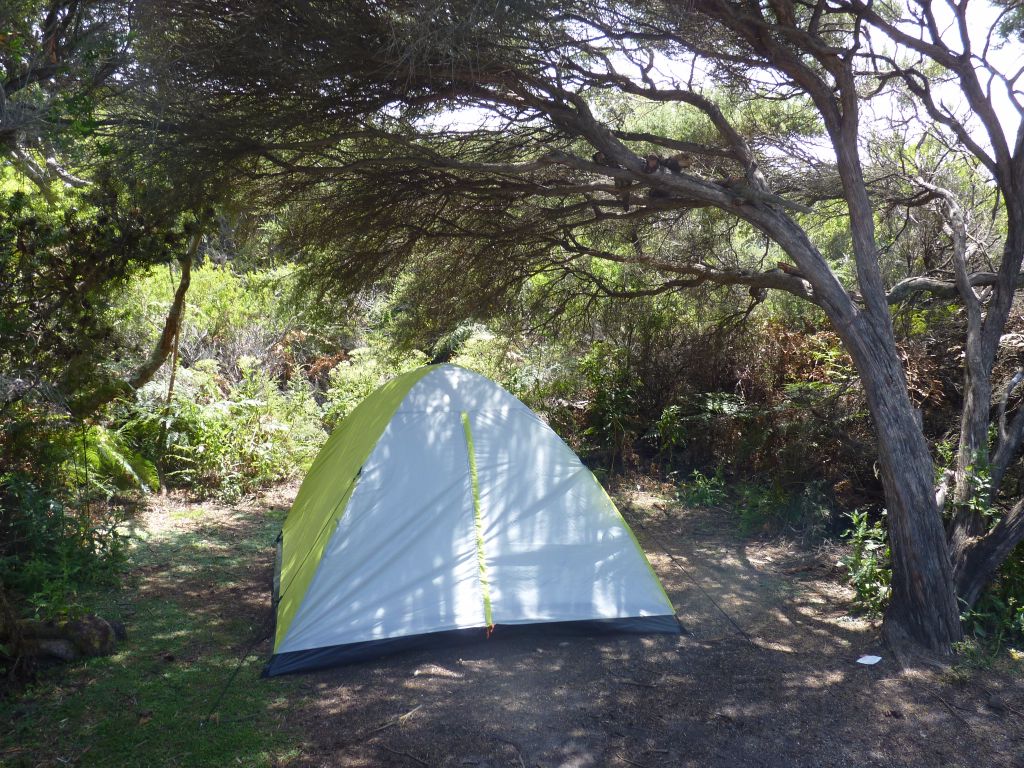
(923,605)
(977,552)
(979,559)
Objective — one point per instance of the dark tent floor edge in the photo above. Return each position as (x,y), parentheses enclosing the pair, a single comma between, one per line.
(353,653)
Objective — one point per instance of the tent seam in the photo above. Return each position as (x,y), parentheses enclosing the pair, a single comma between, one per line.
(478,520)
(636,543)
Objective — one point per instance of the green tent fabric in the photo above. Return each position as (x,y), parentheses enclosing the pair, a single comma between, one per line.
(443,505)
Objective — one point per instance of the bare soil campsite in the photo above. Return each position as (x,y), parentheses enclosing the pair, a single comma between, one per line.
(767,674)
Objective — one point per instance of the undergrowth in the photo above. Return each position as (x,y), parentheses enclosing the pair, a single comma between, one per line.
(760,506)
(158,701)
(867,564)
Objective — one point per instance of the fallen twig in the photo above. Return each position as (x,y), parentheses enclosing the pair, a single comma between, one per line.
(519,755)
(397,720)
(949,706)
(403,754)
(621,681)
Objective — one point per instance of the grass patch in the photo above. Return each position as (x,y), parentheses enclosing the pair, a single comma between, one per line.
(196,601)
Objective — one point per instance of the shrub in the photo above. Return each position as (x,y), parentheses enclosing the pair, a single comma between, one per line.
(999,613)
(703,491)
(224,440)
(353,379)
(101,462)
(771,507)
(50,550)
(867,564)
(612,389)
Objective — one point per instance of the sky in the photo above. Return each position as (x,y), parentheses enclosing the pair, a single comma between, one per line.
(981,16)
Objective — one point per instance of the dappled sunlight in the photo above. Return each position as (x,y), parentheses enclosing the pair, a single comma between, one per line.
(713,698)
(468,511)
(196,596)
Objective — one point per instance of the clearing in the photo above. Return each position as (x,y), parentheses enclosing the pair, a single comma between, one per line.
(767,675)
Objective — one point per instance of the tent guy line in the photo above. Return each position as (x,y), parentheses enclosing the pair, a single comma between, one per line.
(690,577)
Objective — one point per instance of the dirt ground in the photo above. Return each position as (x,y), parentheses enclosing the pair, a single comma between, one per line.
(765,676)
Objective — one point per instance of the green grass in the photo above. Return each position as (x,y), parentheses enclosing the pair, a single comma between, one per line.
(193,606)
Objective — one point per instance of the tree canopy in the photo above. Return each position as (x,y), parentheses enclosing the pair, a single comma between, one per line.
(484,161)
(715,142)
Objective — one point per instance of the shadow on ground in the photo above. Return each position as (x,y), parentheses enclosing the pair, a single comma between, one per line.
(766,676)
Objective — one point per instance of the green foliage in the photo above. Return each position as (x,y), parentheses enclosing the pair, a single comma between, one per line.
(365,370)
(867,564)
(245,408)
(101,461)
(222,439)
(701,490)
(766,507)
(978,478)
(147,705)
(58,272)
(58,524)
(613,389)
(229,315)
(496,356)
(998,616)
(670,431)
(760,507)
(51,550)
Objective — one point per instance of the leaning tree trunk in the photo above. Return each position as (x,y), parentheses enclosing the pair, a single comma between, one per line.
(923,605)
(93,400)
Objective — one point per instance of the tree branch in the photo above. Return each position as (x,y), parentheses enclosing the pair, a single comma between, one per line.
(172,323)
(89,403)
(943,289)
(985,554)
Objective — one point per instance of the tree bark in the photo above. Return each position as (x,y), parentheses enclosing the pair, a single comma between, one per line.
(165,345)
(975,553)
(99,397)
(923,605)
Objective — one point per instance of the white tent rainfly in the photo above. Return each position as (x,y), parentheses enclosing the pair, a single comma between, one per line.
(442,506)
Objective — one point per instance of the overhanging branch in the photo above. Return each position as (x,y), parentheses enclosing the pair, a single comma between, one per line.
(939,288)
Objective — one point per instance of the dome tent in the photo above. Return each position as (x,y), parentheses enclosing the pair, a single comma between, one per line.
(443,505)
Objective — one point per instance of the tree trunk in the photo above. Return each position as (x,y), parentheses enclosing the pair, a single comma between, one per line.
(92,401)
(166,344)
(967,523)
(923,605)
(978,561)
(976,554)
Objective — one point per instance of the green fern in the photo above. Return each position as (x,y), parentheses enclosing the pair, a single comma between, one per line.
(128,468)
(106,463)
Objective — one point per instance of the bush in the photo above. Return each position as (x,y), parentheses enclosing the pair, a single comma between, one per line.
(613,391)
(224,440)
(867,565)
(703,491)
(58,526)
(353,379)
(51,550)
